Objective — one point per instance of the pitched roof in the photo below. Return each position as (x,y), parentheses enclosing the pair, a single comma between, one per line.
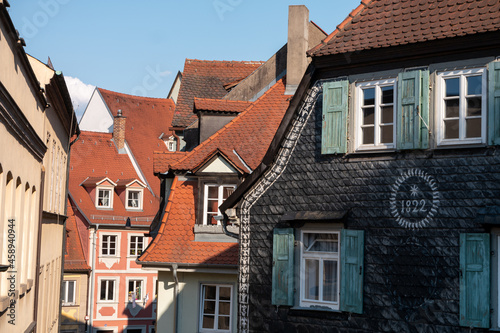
(164,160)
(245,139)
(147,119)
(206,79)
(220,105)
(93,158)
(74,259)
(175,240)
(383,23)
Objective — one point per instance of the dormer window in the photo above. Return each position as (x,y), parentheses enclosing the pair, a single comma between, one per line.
(214,196)
(104,198)
(171,143)
(134,199)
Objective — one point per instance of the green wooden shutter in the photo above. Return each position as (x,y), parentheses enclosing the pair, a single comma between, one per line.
(494,103)
(413,99)
(335,104)
(282,293)
(475,280)
(352,267)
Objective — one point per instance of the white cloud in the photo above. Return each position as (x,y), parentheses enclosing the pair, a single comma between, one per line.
(80,94)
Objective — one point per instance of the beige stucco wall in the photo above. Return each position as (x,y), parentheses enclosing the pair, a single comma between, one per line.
(73,316)
(189,299)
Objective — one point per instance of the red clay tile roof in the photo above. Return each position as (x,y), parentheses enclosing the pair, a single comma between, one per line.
(147,119)
(246,137)
(163,160)
(175,240)
(74,259)
(95,155)
(220,105)
(206,79)
(383,23)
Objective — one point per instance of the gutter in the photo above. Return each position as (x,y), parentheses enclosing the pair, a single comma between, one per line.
(176,297)
(39,247)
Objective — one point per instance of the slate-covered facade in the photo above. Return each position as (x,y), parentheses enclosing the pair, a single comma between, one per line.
(376,207)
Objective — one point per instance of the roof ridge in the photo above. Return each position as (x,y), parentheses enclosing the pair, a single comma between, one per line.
(221,100)
(246,62)
(225,127)
(341,26)
(132,96)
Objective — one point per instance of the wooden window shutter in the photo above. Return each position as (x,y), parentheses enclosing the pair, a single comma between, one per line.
(352,268)
(475,280)
(334,124)
(494,103)
(283,272)
(413,110)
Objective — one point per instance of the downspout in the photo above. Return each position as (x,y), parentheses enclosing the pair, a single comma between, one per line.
(224,227)
(90,305)
(176,297)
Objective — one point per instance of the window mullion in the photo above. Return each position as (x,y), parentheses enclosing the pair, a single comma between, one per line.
(377,118)
(462,107)
(320,280)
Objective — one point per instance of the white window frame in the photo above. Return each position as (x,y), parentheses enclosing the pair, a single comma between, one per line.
(219,199)
(202,299)
(64,298)
(140,199)
(117,244)
(322,256)
(377,115)
(115,288)
(129,248)
(143,288)
(111,195)
(440,106)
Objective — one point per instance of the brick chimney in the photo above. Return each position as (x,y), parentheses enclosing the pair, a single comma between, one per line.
(298,42)
(119,131)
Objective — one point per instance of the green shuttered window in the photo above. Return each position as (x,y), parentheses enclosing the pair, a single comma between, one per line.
(413,110)
(330,269)
(474,280)
(283,240)
(352,249)
(334,125)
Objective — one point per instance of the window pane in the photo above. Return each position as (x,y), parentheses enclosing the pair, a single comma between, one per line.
(387,114)
(71,291)
(386,134)
(210,292)
(368,135)
(369,96)
(223,323)
(330,281)
(451,129)
(225,293)
(474,85)
(209,307)
(213,206)
(208,321)
(452,87)
(211,219)
(103,290)
(474,106)
(224,308)
(63,291)
(213,192)
(451,110)
(316,242)
(227,191)
(368,116)
(473,128)
(312,279)
(111,287)
(387,95)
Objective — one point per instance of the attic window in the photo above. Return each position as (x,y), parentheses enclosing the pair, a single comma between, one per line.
(104,198)
(171,143)
(134,199)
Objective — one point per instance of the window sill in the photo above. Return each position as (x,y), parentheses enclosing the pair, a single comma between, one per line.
(68,304)
(314,309)
(213,233)
(107,302)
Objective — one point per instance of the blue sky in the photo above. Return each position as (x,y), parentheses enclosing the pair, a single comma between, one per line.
(137,47)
